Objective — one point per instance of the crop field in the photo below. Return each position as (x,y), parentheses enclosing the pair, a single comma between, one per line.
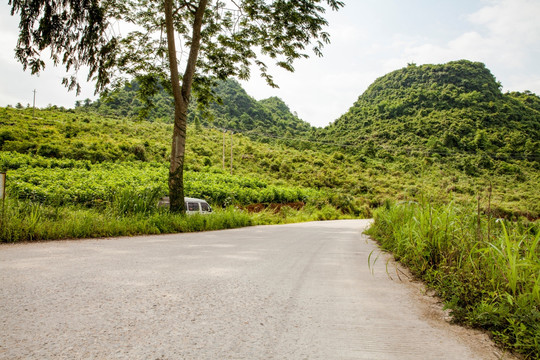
(69,182)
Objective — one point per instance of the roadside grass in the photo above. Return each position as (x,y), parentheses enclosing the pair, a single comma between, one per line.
(127,215)
(28,221)
(486,270)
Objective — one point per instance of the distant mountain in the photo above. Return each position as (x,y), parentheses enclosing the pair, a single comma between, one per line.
(239,111)
(235,110)
(454,107)
(126,103)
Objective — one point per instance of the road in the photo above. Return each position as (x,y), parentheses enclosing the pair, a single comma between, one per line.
(301,291)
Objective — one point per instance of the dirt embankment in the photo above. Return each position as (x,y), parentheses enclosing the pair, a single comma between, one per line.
(274,207)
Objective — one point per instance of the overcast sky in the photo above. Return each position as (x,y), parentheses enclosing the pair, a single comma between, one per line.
(369,39)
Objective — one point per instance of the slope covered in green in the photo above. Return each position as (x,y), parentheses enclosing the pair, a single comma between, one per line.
(239,111)
(233,109)
(457,107)
(355,181)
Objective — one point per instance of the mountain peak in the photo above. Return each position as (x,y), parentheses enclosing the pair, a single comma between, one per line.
(450,104)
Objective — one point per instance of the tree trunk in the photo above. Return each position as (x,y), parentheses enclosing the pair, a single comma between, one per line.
(181,101)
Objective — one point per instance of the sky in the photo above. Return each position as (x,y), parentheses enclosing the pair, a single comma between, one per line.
(369,38)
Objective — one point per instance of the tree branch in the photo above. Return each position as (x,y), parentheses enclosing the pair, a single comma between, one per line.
(187,79)
(173,62)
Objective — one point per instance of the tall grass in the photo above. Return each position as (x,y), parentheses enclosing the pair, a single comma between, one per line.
(487,270)
(127,201)
(28,221)
(136,213)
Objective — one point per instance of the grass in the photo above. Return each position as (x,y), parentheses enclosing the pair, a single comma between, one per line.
(129,215)
(28,221)
(487,270)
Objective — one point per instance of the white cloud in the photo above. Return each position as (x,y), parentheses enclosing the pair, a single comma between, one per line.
(515,20)
(504,35)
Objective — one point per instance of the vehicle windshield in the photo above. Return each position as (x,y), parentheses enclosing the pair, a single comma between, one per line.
(205,207)
(192,206)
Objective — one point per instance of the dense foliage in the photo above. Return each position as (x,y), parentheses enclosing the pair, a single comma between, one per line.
(62,182)
(356,181)
(233,109)
(239,111)
(126,102)
(445,109)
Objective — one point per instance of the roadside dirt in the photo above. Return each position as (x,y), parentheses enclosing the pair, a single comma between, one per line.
(433,311)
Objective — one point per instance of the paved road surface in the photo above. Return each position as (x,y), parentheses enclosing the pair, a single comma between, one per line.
(300,291)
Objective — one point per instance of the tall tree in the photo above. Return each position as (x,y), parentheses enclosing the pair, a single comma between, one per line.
(216,39)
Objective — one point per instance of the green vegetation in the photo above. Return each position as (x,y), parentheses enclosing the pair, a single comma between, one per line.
(430,138)
(68,168)
(455,108)
(487,270)
(234,109)
(354,181)
(61,182)
(28,221)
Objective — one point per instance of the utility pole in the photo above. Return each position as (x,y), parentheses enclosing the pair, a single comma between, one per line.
(3,197)
(223,160)
(231,150)
(34,105)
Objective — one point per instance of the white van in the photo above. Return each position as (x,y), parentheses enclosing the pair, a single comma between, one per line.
(192,205)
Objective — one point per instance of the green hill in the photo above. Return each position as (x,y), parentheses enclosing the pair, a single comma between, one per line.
(457,107)
(239,111)
(234,110)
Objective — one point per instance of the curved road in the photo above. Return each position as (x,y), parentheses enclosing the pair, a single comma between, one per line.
(301,291)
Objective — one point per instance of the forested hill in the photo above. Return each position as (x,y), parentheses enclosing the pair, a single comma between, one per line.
(239,111)
(455,107)
(236,110)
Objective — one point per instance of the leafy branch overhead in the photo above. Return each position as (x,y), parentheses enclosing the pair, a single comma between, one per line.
(93,34)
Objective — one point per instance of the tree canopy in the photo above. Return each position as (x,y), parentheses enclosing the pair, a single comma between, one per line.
(233,35)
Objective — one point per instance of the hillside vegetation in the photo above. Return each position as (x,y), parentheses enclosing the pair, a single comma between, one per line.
(447,109)
(451,120)
(232,109)
(443,132)
(354,180)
